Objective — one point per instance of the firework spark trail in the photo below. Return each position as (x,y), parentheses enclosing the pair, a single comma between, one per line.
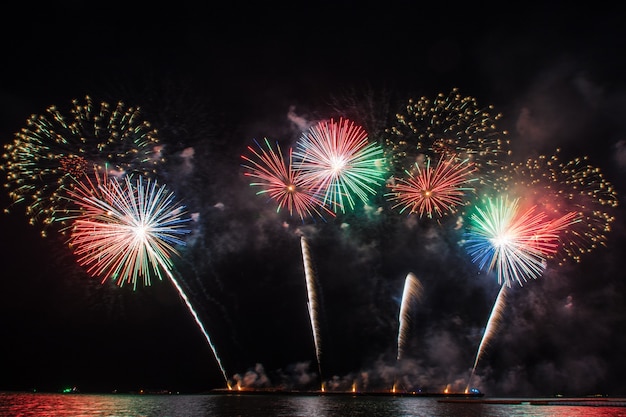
(198,322)
(515,245)
(430,191)
(412,292)
(312,302)
(282,182)
(490,329)
(125,231)
(52,150)
(339,164)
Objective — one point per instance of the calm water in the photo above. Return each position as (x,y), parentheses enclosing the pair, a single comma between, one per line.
(89,405)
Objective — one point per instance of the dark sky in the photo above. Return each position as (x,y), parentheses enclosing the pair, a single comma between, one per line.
(211,81)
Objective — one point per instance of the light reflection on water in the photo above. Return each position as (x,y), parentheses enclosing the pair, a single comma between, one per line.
(109,405)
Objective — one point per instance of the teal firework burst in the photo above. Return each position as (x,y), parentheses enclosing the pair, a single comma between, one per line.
(339,164)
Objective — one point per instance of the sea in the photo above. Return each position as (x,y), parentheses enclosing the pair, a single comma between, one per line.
(18,404)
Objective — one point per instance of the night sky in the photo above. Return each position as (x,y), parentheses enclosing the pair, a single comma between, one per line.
(211,81)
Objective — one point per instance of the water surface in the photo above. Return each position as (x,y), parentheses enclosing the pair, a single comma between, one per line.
(127,405)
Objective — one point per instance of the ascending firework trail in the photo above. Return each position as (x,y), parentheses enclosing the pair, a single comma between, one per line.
(412,292)
(312,302)
(490,329)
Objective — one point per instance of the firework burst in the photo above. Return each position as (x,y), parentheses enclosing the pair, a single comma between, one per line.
(339,164)
(433,191)
(125,230)
(448,125)
(52,150)
(512,242)
(559,188)
(281,182)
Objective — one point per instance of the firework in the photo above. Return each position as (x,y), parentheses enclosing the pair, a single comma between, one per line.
(559,188)
(53,150)
(492,326)
(513,242)
(448,125)
(312,302)
(411,293)
(339,164)
(433,191)
(281,182)
(125,230)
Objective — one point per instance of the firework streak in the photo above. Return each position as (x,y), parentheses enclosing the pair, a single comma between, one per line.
(312,301)
(412,292)
(490,329)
